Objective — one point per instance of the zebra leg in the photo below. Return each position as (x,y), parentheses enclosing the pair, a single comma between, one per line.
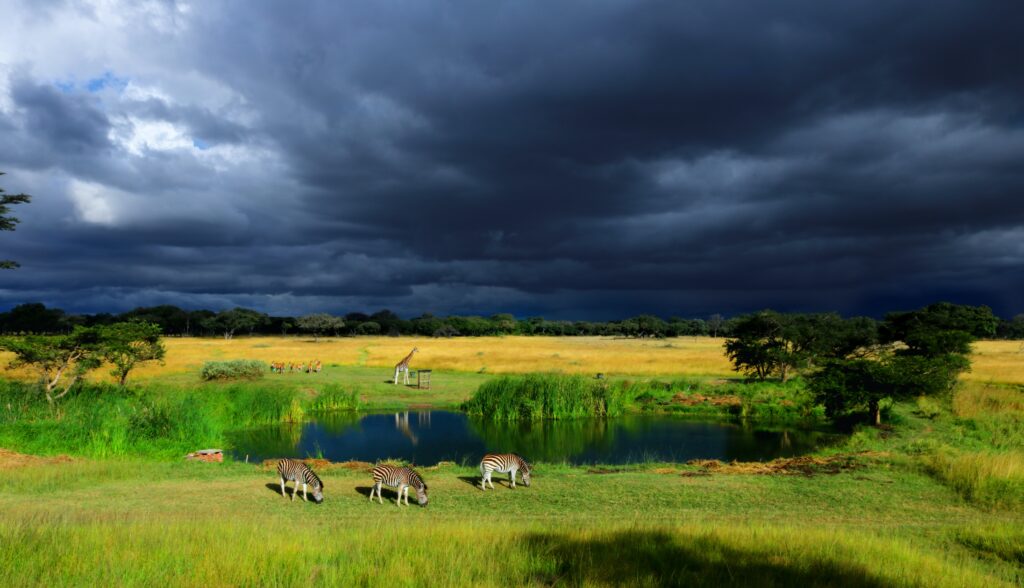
(305,493)
(512,478)
(282,487)
(483,480)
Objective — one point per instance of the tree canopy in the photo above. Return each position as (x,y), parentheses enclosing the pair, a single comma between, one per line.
(7,221)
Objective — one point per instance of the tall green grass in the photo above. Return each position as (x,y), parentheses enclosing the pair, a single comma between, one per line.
(334,397)
(101,420)
(53,550)
(545,396)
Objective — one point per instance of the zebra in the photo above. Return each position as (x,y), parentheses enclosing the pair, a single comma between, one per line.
(401,478)
(298,472)
(502,463)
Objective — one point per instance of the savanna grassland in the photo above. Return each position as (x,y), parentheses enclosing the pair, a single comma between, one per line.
(934,497)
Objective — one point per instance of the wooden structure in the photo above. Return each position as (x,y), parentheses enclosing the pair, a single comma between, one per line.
(423,379)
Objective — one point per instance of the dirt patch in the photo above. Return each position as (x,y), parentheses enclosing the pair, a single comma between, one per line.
(694,399)
(12,459)
(323,464)
(786,466)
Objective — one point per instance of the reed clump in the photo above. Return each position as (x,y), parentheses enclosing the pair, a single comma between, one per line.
(545,396)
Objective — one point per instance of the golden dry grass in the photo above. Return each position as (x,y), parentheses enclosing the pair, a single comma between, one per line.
(997,361)
(498,355)
(993,361)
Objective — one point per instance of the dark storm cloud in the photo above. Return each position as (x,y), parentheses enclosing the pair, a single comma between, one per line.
(577,159)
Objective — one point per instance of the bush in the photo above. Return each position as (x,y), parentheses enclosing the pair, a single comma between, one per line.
(545,396)
(249,369)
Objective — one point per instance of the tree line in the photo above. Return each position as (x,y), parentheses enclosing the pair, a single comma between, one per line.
(36,318)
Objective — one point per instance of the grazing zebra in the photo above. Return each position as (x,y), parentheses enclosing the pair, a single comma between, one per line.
(504,463)
(400,478)
(298,472)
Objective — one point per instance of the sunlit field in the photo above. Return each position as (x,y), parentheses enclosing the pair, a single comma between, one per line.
(993,361)
(697,356)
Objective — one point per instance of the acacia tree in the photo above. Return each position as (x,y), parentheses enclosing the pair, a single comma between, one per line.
(126,345)
(319,323)
(8,222)
(59,360)
(919,353)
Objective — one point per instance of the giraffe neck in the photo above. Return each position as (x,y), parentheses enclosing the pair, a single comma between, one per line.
(408,358)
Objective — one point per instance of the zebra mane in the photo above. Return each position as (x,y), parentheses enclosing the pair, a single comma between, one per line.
(315,477)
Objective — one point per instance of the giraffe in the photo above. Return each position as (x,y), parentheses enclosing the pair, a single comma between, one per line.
(404,366)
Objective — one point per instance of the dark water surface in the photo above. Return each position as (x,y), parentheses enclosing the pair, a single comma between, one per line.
(427,437)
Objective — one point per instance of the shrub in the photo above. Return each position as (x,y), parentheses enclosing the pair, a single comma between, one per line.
(232,370)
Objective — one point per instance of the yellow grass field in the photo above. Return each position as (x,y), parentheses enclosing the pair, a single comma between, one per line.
(993,361)
(494,355)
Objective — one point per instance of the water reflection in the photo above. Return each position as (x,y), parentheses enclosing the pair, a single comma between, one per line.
(426,437)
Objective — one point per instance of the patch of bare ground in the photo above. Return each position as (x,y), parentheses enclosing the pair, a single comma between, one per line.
(12,459)
(324,464)
(695,399)
(807,465)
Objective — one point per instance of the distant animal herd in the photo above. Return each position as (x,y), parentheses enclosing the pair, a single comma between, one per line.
(400,478)
(312,367)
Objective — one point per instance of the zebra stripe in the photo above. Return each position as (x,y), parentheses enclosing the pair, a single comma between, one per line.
(298,472)
(401,478)
(502,463)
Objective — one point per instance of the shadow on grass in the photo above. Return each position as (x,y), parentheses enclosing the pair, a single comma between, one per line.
(288,490)
(498,482)
(392,495)
(655,558)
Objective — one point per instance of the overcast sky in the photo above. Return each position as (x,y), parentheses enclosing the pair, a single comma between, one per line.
(591,159)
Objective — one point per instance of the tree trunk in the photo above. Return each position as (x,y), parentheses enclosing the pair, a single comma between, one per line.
(876,414)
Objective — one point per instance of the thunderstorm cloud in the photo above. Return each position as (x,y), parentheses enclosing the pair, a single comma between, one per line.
(581,159)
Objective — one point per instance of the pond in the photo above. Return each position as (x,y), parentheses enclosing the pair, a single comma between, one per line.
(427,437)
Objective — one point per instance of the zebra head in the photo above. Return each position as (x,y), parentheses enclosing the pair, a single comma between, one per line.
(421,494)
(526,474)
(318,493)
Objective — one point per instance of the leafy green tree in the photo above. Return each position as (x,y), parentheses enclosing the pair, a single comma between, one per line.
(504,323)
(715,324)
(319,323)
(919,353)
(34,318)
(368,328)
(126,345)
(759,346)
(228,322)
(650,326)
(59,360)
(8,222)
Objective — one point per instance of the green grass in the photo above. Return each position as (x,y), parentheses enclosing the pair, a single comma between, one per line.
(545,396)
(137,523)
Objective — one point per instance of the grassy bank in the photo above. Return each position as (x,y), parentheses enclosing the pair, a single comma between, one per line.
(188,524)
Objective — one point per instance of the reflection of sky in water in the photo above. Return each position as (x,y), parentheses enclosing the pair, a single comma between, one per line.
(428,437)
